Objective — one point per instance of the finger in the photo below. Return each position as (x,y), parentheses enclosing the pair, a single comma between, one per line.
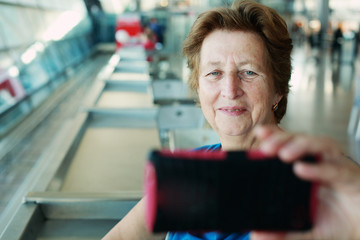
(264,235)
(299,235)
(287,146)
(323,172)
(272,139)
(262,132)
(301,145)
(291,147)
(295,148)
(274,143)
(338,174)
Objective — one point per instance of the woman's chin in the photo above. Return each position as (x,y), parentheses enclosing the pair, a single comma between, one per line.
(233,132)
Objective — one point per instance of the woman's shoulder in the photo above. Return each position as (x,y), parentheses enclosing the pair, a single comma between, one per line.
(209,148)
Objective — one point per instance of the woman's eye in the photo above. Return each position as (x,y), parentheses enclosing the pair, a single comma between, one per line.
(214,73)
(248,75)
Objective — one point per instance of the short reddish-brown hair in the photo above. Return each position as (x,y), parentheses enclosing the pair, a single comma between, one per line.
(246,16)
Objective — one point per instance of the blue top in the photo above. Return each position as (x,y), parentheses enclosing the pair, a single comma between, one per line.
(208,235)
(209,148)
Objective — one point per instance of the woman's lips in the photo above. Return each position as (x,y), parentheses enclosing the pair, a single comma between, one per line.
(232,111)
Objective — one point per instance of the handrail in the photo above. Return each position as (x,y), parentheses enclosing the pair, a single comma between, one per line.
(60,197)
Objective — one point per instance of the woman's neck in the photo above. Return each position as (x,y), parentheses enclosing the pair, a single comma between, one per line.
(232,143)
(246,141)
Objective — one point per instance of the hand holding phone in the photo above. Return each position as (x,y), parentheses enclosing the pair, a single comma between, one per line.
(225,191)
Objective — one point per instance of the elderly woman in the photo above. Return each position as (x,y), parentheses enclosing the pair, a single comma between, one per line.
(240,65)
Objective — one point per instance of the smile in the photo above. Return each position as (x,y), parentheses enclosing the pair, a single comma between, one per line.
(232,111)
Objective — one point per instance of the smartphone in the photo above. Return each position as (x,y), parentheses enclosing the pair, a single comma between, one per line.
(232,191)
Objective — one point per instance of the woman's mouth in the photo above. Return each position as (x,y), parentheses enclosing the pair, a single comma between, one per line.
(232,111)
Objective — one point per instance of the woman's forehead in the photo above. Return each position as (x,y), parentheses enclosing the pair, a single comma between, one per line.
(242,46)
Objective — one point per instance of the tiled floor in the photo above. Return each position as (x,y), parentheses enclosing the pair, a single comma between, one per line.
(321,97)
(320,102)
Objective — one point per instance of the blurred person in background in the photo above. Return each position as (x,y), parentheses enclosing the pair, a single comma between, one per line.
(157,29)
(337,43)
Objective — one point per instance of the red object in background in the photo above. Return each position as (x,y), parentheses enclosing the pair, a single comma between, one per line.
(11,85)
(128,30)
(149,45)
(5,85)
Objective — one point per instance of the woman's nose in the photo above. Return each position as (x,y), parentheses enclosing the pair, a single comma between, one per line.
(231,87)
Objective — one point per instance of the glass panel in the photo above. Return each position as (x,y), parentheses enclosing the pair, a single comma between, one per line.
(5,60)
(36,22)
(77,51)
(39,96)
(49,19)
(73,52)
(9,1)
(15,26)
(9,120)
(28,2)
(78,5)
(48,64)
(15,54)
(33,76)
(47,4)
(2,34)
(55,58)
(61,24)
(83,44)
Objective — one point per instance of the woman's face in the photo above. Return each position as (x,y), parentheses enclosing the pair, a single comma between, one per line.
(235,86)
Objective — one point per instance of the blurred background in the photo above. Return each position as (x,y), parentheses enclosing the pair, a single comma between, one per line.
(88,87)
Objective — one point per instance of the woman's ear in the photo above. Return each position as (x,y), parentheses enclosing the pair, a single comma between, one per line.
(275,104)
(277,99)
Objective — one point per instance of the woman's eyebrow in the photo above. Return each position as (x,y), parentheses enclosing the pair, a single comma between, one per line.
(252,64)
(247,62)
(220,63)
(213,63)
